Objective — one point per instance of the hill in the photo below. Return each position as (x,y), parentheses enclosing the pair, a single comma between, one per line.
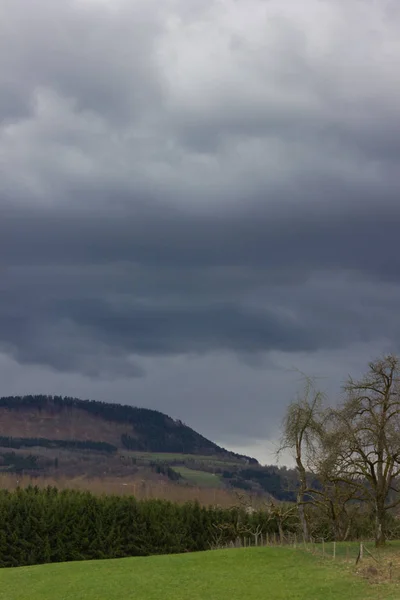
(253,573)
(62,436)
(57,419)
(139,429)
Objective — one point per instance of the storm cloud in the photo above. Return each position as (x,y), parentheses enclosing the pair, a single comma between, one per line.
(196,196)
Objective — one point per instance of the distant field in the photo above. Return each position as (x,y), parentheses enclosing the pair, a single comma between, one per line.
(252,574)
(171,456)
(172,491)
(200,478)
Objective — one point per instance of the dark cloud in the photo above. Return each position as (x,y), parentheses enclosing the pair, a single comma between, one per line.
(300,236)
(73,318)
(196,182)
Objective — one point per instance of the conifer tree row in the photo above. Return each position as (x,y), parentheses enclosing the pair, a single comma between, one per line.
(42,526)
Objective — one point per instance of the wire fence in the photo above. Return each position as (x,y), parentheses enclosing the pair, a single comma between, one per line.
(348,551)
(352,552)
(375,564)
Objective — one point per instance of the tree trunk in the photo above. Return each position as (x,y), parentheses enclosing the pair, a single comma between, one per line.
(280,529)
(334,521)
(347,532)
(336,530)
(300,497)
(303,520)
(380,523)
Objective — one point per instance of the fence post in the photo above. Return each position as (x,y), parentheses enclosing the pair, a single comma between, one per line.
(323,547)
(334,550)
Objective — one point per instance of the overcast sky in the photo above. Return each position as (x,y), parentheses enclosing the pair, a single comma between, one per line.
(196,197)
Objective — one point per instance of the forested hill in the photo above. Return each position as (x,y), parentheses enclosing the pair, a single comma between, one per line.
(65,418)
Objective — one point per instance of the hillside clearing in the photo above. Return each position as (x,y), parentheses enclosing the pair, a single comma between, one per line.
(175,456)
(200,478)
(277,573)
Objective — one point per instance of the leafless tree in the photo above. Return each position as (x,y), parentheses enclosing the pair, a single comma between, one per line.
(338,501)
(368,438)
(301,434)
(281,513)
(310,434)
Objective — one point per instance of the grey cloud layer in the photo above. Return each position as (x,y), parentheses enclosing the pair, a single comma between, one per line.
(197,177)
(302,236)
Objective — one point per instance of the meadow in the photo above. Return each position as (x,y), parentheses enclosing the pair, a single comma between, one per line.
(251,574)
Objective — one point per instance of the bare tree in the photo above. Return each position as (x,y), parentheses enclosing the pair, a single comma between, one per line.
(368,438)
(302,434)
(339,501)
(281,513)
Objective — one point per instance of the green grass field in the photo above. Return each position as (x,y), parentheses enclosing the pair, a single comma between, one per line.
(170,456)
(200,478)
(251,574)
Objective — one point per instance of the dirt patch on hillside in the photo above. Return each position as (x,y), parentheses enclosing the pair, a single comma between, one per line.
(59,423)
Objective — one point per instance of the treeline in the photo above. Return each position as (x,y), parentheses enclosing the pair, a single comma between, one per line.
(13,442)
(165,469)
(281,483)
(17,463)
(131,443)
(42,526)
(154,431)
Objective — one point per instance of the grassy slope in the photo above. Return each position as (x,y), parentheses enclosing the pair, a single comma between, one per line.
(212,460)
(276,573)
(201,478)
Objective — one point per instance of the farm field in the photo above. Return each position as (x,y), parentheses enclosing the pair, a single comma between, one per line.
(276,573)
